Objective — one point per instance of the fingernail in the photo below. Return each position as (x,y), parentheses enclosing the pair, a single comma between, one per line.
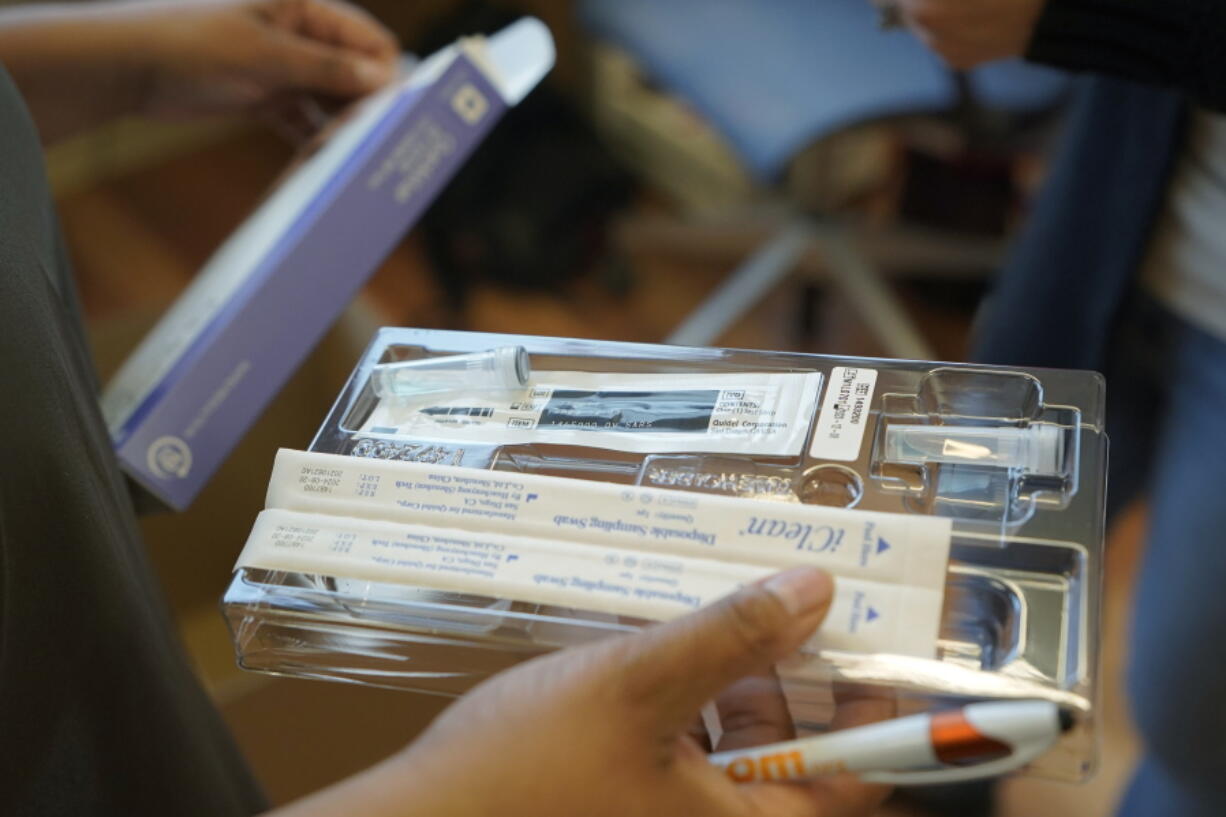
(801,590)
(371,73)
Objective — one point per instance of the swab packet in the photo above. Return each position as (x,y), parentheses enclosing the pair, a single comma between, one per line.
(883,547)
(864,616)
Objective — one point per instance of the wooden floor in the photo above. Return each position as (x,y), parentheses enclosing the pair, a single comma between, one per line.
(136,242)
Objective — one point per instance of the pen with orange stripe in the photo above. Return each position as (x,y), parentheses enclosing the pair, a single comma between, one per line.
(973,741)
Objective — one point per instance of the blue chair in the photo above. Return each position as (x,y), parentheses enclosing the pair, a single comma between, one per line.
(774,76)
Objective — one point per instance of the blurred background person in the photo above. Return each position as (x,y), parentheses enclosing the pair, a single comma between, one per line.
(1122,268)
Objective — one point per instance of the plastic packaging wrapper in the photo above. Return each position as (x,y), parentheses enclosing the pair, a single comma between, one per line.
(968,495)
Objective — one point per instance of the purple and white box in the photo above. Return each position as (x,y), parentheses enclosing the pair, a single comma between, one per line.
(202,377)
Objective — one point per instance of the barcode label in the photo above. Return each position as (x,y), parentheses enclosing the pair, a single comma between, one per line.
(459,411)
(845,414)
(686,412)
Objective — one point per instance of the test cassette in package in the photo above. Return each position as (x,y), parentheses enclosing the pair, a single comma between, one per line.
(474,500)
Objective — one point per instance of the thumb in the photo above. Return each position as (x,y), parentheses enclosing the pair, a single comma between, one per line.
(302,64)
(675,668)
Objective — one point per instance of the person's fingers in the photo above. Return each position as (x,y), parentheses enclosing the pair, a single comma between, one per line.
(966,33)
(846,794)
(348,26)
(673,669)
(334,23)
(783,800)
(861,704)
(922,14)
(936,23)
(798,800)
(698,733)
(842,795)
(855,705)
(839,796)
(296,117)
(301,64)
(754,711)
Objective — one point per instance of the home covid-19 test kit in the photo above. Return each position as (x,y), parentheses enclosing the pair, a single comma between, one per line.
(474,500)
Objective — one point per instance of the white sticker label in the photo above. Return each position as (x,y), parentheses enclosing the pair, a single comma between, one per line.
(845,414)
(763,413)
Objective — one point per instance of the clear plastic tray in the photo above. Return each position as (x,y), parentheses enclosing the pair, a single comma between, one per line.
(1015,458)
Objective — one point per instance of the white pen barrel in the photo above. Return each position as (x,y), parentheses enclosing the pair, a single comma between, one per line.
(1019,723)
(902,743)
(956,744)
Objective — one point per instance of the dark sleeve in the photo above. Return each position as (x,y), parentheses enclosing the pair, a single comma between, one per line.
(1176,43)
(100,712)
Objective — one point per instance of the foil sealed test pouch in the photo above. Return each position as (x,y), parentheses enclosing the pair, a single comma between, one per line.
(474,500)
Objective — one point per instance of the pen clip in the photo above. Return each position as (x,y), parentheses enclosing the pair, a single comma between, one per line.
(957,774)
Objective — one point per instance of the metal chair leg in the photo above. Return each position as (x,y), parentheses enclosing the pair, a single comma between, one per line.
(747,285)
(870,295)
(860,281)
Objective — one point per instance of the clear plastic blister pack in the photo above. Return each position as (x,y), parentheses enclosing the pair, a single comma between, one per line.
(1007,465)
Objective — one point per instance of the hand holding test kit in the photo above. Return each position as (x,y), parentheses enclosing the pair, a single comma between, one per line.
(201,378)
(474,500)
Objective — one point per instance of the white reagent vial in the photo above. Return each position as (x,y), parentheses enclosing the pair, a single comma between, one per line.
(1037,448)
(505,368)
